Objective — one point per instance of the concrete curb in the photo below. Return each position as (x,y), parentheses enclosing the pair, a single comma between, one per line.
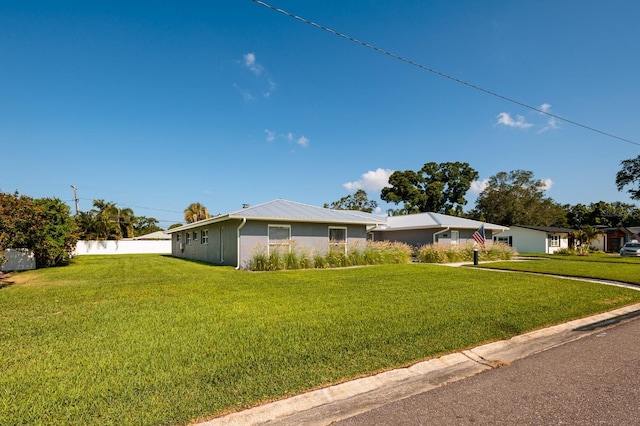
(341,401)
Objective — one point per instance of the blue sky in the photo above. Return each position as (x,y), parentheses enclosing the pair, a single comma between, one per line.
(154,105)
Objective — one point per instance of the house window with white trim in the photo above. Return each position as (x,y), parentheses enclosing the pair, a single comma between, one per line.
(195,236)
(204,236)
(188,238)
(554,240)
(338,239)
(280,237)
(177,238)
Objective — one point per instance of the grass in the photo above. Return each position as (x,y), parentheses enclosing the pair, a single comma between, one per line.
(150,339)
(606,267)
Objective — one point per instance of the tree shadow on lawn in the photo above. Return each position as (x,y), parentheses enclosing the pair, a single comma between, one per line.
(4,280)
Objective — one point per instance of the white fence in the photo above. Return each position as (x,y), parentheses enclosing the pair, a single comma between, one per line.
(122,247)
(20,259)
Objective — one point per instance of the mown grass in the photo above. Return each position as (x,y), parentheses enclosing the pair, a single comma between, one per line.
(606,267)
(152,340)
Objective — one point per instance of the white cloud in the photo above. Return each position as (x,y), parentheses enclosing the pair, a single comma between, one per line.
(506,119)
(262,78)
(372,180)
(545,107)
(548,183)
(251,64)
(302,140)
(552,122)
(271,136)
(477,186)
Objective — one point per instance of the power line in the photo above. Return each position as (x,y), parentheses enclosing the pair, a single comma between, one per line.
(441,74)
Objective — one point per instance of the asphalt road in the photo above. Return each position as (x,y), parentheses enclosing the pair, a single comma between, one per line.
(590,381)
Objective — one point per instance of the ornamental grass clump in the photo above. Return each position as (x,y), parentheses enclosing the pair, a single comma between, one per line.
(375,253)
(452,253)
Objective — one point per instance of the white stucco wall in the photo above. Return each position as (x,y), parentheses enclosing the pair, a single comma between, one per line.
(123,247)
(19,260)
(532,241)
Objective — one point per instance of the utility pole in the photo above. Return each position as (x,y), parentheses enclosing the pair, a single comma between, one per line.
(75,197)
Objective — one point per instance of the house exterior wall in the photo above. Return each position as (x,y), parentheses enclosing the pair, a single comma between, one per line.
(222,245)
(312,237)
(420,237)
(532,241)
(219,249)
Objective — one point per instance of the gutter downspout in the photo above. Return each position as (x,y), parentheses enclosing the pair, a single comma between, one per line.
(244,221)
(440,232)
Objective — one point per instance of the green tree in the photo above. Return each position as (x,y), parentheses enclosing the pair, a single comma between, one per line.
(517,198)
(145,225)
(58,233)
(356,201)
(604,214)
(439,188)
(196,212)
(43,226)
(630,175)
(175,225)
(584,236)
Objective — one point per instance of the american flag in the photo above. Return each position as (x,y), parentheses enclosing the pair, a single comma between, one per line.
(478,236)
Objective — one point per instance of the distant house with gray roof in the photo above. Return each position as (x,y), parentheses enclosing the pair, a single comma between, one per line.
(538,239)
(430,228)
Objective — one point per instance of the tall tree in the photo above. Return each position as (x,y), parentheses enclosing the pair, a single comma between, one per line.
(196,212)
(630,175)
(439,188)
(356,201)
(604,214)
(517,198)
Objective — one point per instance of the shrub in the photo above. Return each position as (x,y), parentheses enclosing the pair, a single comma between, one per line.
(450,253)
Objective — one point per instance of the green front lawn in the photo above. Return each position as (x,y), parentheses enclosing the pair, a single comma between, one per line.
(150,339)
(606,267)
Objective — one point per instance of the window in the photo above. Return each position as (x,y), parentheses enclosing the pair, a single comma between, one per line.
(554,240)
(338,239)
(504,240)
(195,236)
(204,236)
(188,238)
(177,238)
(455,237)
(279,237)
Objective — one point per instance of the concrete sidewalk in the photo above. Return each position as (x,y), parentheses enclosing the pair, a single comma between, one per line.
(338,402)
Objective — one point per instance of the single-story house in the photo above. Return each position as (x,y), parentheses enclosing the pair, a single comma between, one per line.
(233,238)
(430,228)
(611,240)
(536,239)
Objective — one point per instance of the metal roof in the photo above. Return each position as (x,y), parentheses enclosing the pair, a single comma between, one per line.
(434,220)
(548,229)
(284,210)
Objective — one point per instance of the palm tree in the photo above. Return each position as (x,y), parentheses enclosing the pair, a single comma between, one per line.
(106,220)
(196,212)
(126,221)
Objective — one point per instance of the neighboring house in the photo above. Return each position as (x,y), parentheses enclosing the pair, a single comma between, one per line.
(429,228)
(153,236)
(233,238)
(612,239)
(537,239)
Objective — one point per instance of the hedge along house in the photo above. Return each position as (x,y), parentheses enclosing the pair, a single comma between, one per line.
(431,228)
(234,238)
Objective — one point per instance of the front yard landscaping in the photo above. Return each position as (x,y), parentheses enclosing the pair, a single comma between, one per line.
(150,339)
